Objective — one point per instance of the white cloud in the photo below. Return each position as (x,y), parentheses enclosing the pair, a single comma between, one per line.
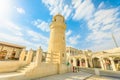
(103,45)
(103,23)
(6,8)
(98,36)
(68,33)
(37,37)
(74,39)
(20,10)
(9,27)
(83,9)
(16,40)
(106,16)
(13,33)
(58,6)
(101,5)
(44,26)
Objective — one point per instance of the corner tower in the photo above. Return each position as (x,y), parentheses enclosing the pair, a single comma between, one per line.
(57,43)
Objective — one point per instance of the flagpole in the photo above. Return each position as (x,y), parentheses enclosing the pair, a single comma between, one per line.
(114,40)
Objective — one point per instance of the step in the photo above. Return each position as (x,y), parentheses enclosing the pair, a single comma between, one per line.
(25,68)
(21,71)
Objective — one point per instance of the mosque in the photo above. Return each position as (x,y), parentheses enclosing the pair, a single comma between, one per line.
(59,58)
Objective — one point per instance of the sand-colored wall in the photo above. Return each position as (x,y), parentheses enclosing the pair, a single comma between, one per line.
(63,68)
(44,69)
(8,66)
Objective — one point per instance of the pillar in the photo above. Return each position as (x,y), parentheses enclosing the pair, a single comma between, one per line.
(112,64)
(86,63)
(74,62)
(38,56)
(9,52)
(91,62)
(101,63)
(104,64)
(1,47)
(29,56)
(22,55)
(80,62)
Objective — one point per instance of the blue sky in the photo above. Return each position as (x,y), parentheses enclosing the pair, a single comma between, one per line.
(89,22)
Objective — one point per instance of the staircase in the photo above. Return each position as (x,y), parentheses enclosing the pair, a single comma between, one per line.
(26,68)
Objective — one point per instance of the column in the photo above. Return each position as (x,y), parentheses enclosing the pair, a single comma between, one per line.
(1,47)
(29,56)
(112,64)
(104,62)
(101,63)
(91,62)
(80,62)
(74,62)
(17,53)
(8,51)
(22,55)
(38,56)
(86,63)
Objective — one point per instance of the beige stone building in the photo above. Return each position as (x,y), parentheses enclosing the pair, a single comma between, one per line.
(105,60)
(79,58)
(10,51)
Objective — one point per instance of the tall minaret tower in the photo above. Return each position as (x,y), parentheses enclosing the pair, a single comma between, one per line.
(57,43)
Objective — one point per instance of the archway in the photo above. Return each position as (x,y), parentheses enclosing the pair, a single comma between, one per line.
(3,54)
(83,62)
(12,57)
(117,63)
(77,62)
(96,62)
(71,61)
(108,64)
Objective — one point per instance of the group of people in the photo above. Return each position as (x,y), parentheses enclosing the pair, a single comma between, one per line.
(75,69)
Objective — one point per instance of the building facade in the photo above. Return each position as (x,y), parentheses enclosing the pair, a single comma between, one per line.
(9,51)
(105,60)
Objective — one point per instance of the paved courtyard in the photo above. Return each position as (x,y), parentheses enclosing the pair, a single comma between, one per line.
(76,76)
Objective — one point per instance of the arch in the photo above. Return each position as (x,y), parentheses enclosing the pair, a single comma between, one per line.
(96,62)
(117,63)
(116,59)
(3,54)
(83,62)
(108,64)
(12,57)
(77,62)
(71,61)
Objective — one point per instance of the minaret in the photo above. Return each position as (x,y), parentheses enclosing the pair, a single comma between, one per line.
(57,43)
